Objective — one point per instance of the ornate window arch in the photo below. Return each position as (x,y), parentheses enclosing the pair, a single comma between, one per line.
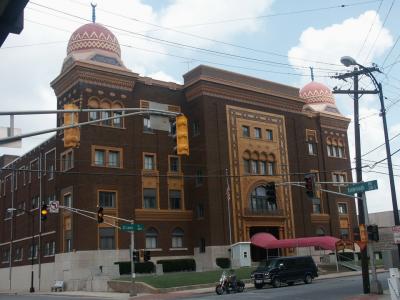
(117,122)
(260,201)
(94,103)
(105,104)
(246,162)
(271,164)
(177,238)
(151,238)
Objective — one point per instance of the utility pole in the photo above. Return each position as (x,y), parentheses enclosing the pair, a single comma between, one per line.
(360,196)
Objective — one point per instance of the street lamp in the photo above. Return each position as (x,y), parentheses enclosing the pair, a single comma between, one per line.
(349,61)
(32,289)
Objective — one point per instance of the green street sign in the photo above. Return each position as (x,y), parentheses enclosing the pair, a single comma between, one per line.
(360,187)
(132,227)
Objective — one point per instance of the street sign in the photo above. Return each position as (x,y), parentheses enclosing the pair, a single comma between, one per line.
(132,227)
(54,207)
(360,187)
(396,234)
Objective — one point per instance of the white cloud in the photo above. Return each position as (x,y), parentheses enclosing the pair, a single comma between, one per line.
(160,75)
(328,45)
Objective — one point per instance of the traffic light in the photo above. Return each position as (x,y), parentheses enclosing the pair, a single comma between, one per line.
(271,191)
(44,212)
(309,180)
(373,233)
(182,137)
(135,256)
(146,256)
(100,215)
(356,234)
(72,136)
(363,233)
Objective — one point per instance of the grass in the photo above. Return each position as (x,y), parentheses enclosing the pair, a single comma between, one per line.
(187,278)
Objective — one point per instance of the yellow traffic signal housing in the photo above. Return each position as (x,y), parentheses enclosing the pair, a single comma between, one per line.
(363,233)
(182,137)
(72,136)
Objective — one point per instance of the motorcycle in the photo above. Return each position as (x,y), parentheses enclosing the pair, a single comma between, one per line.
(229,284)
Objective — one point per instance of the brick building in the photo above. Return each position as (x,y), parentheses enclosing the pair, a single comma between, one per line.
(244,133)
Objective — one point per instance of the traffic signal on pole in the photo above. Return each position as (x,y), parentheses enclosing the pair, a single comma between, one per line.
(135,256)
(309,180)
(72,136)
(356,234)
(44,212)
(100,215)
(182,137)
(147,255)
(373,233)
(271,191)
(363,233)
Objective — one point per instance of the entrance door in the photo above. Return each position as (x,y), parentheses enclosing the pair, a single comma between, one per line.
(257,253)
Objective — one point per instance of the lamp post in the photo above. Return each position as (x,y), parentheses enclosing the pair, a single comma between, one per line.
(32,289)
(348,61)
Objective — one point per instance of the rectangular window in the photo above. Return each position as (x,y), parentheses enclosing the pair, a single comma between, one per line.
(257,133)
(67,200)
(246,166)
(338,177)
(35,202)
(99,158)
(151,242)
(199,177)
(200,211)
(117,122)
(114,159)
(147,124)
(330,150)
(149,198)
(269,135)
(18,254)
(107,199)
(5,258)
(245,131)
(271,168)
(340,152)
(105,115)
(149,162)
(106,238)
(177,242)
(67,160)
(342,208)
(311,147)
(32,251)
(52,248)
(263,168)
(68,245)
(175,199)
(316,205)
(196,128)
(20,208)
(93,115)
(50,170)
(344,233)
(174,164)
(254,167)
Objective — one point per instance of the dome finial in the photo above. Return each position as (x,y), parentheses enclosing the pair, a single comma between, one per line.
(93,12)
(312,73)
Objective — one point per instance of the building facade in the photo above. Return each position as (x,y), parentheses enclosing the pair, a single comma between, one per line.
(244,133)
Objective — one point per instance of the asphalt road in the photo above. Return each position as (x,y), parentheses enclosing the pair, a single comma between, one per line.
(327,289)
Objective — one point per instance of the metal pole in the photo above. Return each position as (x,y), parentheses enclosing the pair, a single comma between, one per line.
(229,207)
(40,219)
(389,162)
(32,289)
(12,223)
(360,204)
(376,286)
(133,288)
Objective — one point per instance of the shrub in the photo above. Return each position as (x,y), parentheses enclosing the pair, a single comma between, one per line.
(144,267)
(177,265)
(223,262)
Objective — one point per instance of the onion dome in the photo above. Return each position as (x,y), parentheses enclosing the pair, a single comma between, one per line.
(93,36)
(318,97)
(315,92)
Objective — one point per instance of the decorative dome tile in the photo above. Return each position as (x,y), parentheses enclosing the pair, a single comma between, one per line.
(315,92)
(93,36)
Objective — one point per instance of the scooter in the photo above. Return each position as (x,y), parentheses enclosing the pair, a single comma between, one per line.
(229,284)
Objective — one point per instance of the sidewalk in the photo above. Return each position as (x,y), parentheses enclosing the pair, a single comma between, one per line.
(191,291)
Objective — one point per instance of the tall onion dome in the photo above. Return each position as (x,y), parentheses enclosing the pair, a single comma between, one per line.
(318,97)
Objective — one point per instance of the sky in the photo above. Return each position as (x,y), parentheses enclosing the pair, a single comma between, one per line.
(276,40)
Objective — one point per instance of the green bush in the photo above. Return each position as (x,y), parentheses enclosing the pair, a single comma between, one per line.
(144,267)
(223,262)
(177,265)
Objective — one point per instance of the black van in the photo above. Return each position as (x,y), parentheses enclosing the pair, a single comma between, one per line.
(285,270)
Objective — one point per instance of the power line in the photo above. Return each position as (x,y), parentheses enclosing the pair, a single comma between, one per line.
(377,147)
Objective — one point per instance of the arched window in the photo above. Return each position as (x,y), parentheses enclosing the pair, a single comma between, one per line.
(117,122)
(177,238)
(93,103)
(246,162)
(105,104)
(259,200)
(271,165)
(329,147)
(151,238)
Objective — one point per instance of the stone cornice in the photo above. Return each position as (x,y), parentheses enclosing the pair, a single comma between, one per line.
(320,218)
(93,74)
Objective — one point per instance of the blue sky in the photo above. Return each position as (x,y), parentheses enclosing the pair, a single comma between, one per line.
(274,40)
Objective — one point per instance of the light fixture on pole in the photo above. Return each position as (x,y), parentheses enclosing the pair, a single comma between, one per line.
(31,289)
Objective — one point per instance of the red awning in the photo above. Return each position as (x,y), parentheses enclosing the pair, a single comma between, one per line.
(268,241)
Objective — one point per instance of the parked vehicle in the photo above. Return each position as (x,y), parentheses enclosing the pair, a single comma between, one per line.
(228,283)
(285,270)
